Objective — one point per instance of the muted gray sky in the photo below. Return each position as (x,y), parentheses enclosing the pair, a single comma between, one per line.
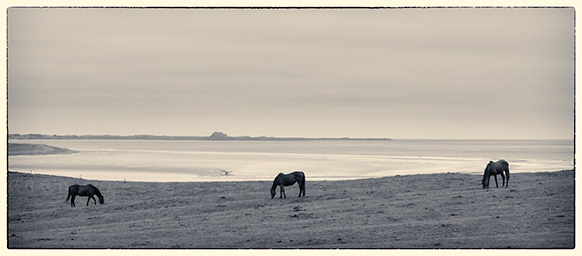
(485,73)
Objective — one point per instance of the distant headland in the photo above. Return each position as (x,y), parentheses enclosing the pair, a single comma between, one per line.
(216,136)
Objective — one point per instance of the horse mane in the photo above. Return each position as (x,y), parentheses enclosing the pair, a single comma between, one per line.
(489,164)
(275,181)
(97,192)
(487,170)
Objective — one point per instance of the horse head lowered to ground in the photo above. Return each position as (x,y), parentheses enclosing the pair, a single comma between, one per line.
(283,180)
(88,191)
(494,168)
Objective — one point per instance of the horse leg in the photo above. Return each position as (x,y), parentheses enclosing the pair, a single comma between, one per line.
(73,201)
(283,195)
(496,185)
(507,183)
(94,201)
(280,192)
(503,180)
(88,200)
(300,189)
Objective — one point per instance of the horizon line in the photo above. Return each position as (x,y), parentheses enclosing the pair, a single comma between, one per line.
(227,137)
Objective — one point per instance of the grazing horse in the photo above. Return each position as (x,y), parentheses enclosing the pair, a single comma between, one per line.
(89,191)
(283,180)
(494,168)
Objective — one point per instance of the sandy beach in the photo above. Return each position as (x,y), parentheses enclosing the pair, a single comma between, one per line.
(415,212)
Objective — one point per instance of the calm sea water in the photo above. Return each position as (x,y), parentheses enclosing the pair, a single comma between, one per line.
(151,160)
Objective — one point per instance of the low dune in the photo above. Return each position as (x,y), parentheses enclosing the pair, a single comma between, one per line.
(418,211)
(15,149)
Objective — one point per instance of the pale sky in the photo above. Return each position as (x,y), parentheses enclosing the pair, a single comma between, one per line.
(445,73)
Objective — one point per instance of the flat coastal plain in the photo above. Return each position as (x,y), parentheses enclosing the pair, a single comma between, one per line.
(411,212)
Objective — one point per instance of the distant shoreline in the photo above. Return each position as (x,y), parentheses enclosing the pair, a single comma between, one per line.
(217,136)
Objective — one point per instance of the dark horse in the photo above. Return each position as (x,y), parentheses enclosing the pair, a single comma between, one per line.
(283,180)
(494,168)
(89,191)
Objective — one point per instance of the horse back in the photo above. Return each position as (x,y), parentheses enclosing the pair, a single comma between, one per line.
(87,190)
(504,163)
(73,189)
(497,167)
(299,176)
(288,179)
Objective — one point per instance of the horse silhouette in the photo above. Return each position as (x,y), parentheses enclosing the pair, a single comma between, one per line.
(494,168)
(283,180)
(88,190)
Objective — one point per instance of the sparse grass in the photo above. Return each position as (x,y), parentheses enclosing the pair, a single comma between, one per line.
(417,211)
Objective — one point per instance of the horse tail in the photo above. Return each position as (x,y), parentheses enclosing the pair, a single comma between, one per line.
(302,183)
(507,172)
(68,195)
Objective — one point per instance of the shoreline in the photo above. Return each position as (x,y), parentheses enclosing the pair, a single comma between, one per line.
(151,177)
(179,177)
(172,177)
(425,211)
(172,165)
